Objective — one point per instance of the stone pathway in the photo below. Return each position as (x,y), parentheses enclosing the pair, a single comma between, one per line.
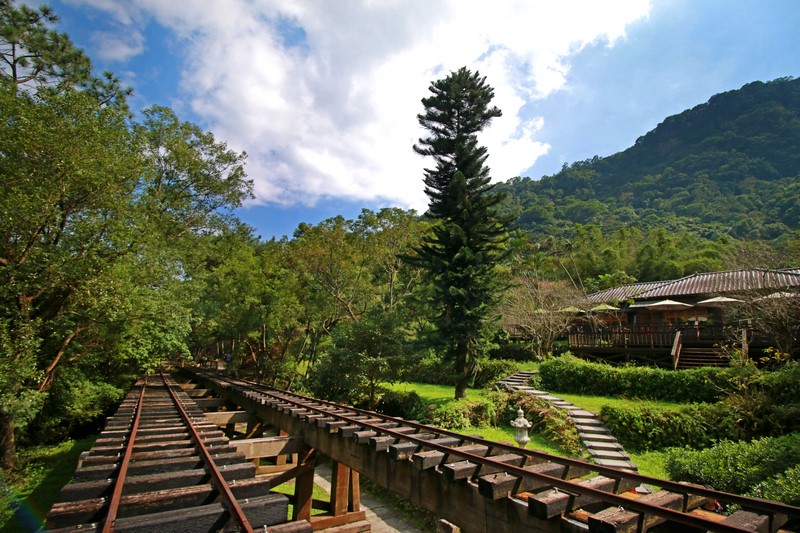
(382,517)
(601,444)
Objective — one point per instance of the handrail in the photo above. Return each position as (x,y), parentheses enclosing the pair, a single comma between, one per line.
(676,350)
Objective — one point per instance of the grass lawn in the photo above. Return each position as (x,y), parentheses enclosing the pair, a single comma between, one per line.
(318,494)
(649,463)
(596,403)
(34,486)
(440,394)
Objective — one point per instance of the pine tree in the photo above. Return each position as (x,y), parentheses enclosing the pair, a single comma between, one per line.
(468,238)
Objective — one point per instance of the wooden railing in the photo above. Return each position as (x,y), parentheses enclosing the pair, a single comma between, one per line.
(676,350)
(644,336)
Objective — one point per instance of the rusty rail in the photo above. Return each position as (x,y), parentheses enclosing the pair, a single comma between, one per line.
(216,475)
(302,406)
(116,497)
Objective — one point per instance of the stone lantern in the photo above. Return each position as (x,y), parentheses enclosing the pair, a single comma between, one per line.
(522,426)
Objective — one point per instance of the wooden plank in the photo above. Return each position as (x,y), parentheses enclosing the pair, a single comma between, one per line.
(432,458)
(64,514)
(223,418)
(354,504)
(153,482)
(340,488)
(550,503)
(748,520)
(466,469)
(269,446)
(154,466)
(501,485)
(303,490)
(621,520)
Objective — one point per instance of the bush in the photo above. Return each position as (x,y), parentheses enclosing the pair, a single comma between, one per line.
(463,413)
(783,487)
(493,370)
(555,424)
(782,386)
(736,467)
(646,426)
(407,405)
(431,369)
(569,374)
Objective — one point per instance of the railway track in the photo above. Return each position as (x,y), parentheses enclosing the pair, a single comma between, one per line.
(160,465)
(481,485)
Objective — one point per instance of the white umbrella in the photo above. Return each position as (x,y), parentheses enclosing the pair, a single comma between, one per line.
(667,305)
(719,301)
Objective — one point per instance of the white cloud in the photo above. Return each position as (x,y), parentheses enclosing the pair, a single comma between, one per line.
(335,115)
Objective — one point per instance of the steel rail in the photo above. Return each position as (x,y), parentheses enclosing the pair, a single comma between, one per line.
(672,486)
(216,476)
(769,508)
(119,482)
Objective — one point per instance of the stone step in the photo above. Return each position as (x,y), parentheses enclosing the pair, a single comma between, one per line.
(616,463)
(597,437)
(602,445)
(582,413)
(608,454)
(589,422)
(594,430)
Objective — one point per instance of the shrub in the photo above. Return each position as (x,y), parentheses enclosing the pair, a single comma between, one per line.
(572,375)
(431,369)
(494,369)
(646,426)
(555,424)
(736,467)
(407,405)
(782,385)
(783,487)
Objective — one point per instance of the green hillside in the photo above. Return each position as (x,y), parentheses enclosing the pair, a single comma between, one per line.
(727,168)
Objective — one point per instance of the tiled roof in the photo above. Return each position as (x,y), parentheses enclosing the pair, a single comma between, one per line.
(624,292)
(712,283)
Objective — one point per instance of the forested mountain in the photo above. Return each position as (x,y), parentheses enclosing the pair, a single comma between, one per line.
(728,167)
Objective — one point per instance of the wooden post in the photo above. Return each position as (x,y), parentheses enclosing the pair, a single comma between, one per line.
(355,492)
(303,494)
(340,488)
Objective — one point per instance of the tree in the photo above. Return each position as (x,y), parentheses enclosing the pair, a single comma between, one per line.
(468,238)
(539,310)
(32,54)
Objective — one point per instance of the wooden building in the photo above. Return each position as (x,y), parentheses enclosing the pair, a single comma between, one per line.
(688,321)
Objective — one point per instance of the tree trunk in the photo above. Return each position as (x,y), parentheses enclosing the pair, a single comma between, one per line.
(7,444)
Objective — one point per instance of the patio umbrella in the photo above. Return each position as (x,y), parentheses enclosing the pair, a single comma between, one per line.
(604,307)
(719,301)
(668,305)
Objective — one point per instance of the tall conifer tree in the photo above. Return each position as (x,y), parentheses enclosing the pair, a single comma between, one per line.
(468,238)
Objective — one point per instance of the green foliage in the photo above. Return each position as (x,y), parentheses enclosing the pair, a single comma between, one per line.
(646,427)
(364,355)
(408,405)
(492,370)
(724,169)
(572,375)
(555,424)
(467,240)
(736,467)
(783,487)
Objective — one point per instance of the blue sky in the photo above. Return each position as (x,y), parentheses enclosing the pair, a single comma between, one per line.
(323,95)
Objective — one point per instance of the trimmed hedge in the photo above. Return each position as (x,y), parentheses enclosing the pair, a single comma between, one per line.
(572,375)
(736,467)
(646,426)
(782,488)
(433,370)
